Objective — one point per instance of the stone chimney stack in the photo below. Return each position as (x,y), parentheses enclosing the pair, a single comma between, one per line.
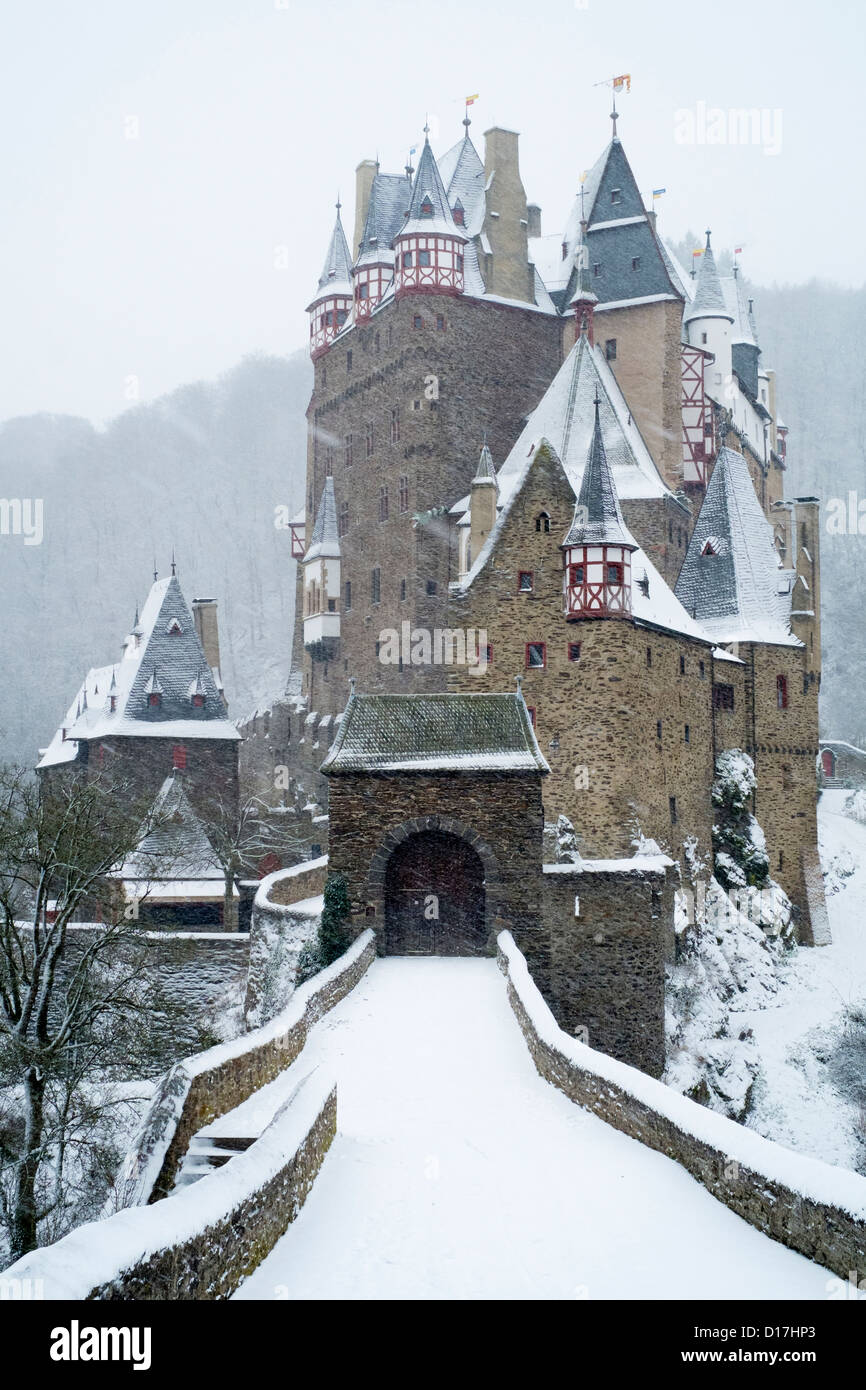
(533,219)
(506,268)
(364,176)
(806,605)
(204,611)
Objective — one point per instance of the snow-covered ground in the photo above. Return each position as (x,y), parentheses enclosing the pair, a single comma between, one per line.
(811,1035)
(458,1173)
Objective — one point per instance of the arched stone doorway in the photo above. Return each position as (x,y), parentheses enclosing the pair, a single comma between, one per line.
(435,897)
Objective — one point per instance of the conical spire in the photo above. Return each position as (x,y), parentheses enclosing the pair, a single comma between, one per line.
(709,300)
(325,539)
(598,519)
(485,472)
(428,206)
(336,276)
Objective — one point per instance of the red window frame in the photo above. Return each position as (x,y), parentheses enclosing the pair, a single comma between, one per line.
(525,588)
(535,665)
(614,572)
(575,575)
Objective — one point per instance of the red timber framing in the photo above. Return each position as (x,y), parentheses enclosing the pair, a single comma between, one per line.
(429,265)
(698,440)
(326,319)
(371,282)
(299,544)
(597,582)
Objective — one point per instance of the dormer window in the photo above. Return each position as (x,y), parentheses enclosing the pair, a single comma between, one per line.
(426,207)
(174,628)
(459,216)
(198,701)
(616,195)
(154,699)
(112,704)
(710,547)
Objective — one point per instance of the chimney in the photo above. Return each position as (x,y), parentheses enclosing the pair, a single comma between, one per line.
(652,219)
(506,218)
(364,176)
(204,611)
(533,219)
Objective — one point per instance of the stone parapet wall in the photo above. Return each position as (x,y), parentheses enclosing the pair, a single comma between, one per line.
(810,1206)
(202,1088)
(203,1241)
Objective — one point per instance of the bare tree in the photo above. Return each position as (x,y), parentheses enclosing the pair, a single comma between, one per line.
(242,836)
(73,1004)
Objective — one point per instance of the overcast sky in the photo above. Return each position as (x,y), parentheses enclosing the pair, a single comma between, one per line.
(156,154)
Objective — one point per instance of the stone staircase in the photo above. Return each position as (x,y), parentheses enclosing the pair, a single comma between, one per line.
(206,1153)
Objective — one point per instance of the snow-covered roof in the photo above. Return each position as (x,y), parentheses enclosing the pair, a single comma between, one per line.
(435,733)
(174,847)
(735,592)
(336,276)
(386,213)
(462,171)
(738,310)
(598,519)
(157,651)
(428,191)
(325,540)
(709,300)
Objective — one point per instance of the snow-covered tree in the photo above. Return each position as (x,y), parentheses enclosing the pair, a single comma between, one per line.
(741,859)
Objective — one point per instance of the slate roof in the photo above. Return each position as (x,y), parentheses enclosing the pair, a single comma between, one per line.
(428,185)
(177,847)
(336,276)
(597,516)
(325,540)
(486,471)
(462,171)
(435,733)
(709,300)
(386,213)
(732,291)
(739,594)
(154,656)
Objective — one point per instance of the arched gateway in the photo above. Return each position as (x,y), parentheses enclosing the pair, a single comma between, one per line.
(434,897)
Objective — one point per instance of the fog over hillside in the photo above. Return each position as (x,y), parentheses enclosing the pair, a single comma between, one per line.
(203,469)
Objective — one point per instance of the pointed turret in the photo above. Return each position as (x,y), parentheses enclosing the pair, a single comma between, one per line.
(374,268)
(708,322)
(599,546)
(332,302)
(322,580)
(484,495)
(429,246)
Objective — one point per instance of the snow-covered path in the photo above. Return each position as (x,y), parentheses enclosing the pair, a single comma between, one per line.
(458,1173)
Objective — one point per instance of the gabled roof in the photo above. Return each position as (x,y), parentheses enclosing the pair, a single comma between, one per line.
(174,844)
(325,540)
(709,299)
(428,189)
(597,516)
(738,593)
(435,733)
(386,213)
(565,416)
(152,656)
(336,276)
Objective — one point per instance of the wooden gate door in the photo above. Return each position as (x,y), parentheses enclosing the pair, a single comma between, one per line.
(434,898)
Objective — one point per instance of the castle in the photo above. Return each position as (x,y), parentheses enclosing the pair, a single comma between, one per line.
(556,456)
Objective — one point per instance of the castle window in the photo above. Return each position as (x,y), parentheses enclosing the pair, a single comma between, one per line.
(364,290)
(154,699)
(723,696)
(375,585)
(688,734)
(404,493)
(459,263)
(782,692)
(423,257)
(459,217)
(524,582)
(488,653)
(369,441)
(178,757)
(407,260)
(383,504)
(347,602)
(574,651)
(416,405)
(395,425)
(658,728)
(673,805)
(440,322)
(670,531)
(610,349)
(536,655)
(616,195)
(649,656)
(682,666)
(701,669)
(343,526)
(542,523)
(596,269)
(614,573)
(635,262)
(342,315)
(348,450)
(781,859)
(530,710)
(349,360)
(378,341)
(703,337)
(174,628)
(402,590)
(575,576)
(432,588)
(198,701)
(417,321)
(426,208)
